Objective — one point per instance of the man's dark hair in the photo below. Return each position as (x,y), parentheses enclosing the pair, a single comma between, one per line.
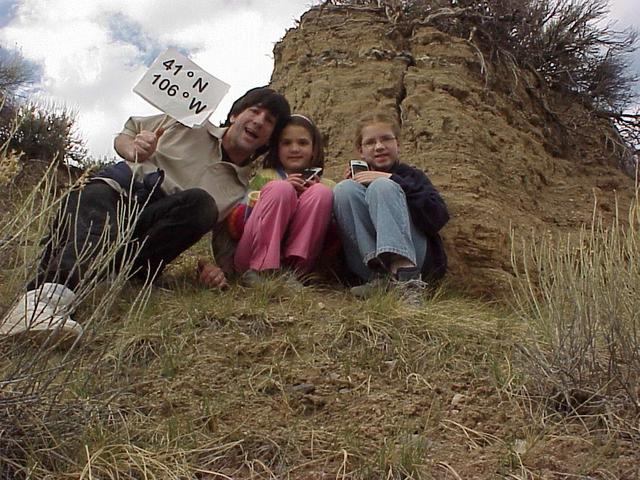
(262,97)
(267,98)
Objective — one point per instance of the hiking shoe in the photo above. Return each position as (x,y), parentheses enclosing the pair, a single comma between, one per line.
(43,314)
(255,278)
(371,288)
(291,282)
(408,283)
(252,279)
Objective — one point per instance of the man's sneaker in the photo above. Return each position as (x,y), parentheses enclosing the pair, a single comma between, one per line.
(44,314)
(371,288)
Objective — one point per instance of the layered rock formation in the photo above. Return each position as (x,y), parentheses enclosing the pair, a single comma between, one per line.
(502,157)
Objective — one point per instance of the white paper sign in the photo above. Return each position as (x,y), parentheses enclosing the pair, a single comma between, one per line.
(181,89)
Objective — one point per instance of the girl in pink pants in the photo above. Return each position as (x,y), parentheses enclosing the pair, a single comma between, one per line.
(288,224)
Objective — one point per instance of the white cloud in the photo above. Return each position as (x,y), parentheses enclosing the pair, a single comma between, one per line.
(91,63)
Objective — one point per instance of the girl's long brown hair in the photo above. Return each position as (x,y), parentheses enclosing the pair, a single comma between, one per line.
(271,160)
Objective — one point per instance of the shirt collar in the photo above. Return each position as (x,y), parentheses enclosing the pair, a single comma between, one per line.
(218,133)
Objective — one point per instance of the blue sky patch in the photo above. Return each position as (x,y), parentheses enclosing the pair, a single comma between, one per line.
(125,30)
(8,11)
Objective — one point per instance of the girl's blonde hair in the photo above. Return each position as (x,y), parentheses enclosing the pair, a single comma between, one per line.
(376,117)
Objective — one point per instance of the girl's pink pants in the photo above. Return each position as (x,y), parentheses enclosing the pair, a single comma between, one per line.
(285,228)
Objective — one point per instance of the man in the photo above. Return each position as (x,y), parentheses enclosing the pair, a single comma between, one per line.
(175,185)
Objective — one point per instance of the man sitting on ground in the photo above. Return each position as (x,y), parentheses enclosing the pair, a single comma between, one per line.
(184,181)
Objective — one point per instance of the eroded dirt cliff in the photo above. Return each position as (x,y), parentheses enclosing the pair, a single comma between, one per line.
(503,155)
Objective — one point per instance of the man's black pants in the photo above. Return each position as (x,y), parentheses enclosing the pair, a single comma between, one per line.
(95,217)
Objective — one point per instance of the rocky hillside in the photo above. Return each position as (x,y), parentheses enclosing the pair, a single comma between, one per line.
(504,155)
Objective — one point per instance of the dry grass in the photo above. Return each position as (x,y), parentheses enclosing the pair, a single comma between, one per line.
(580,296)
(177,382)
(37,378)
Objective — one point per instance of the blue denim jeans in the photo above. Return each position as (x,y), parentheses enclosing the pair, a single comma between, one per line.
(375,220)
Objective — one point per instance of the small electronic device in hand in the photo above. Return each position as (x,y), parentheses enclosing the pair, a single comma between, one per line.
(309,173)
(358,166)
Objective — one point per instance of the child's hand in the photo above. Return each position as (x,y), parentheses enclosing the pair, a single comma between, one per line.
(312,181)
(297,181)
(365,178)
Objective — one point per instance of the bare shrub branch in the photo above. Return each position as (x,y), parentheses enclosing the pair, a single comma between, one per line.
(567,43)
(15,71)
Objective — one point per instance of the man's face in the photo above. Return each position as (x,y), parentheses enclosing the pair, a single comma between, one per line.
(249,130)
(379,147)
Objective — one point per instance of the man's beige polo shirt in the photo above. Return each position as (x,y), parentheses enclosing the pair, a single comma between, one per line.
(190,158)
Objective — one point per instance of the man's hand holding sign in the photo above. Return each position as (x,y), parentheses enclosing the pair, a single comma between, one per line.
(143,145)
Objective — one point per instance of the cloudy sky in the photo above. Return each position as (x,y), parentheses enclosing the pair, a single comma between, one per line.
(91,53)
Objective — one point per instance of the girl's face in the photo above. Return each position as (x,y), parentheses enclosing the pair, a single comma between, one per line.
(295,148)
(379,147)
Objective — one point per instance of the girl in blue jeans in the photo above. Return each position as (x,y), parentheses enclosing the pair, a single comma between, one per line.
(389,216)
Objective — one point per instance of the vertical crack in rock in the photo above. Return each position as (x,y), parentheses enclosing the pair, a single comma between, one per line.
(407,58)
(402,43)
